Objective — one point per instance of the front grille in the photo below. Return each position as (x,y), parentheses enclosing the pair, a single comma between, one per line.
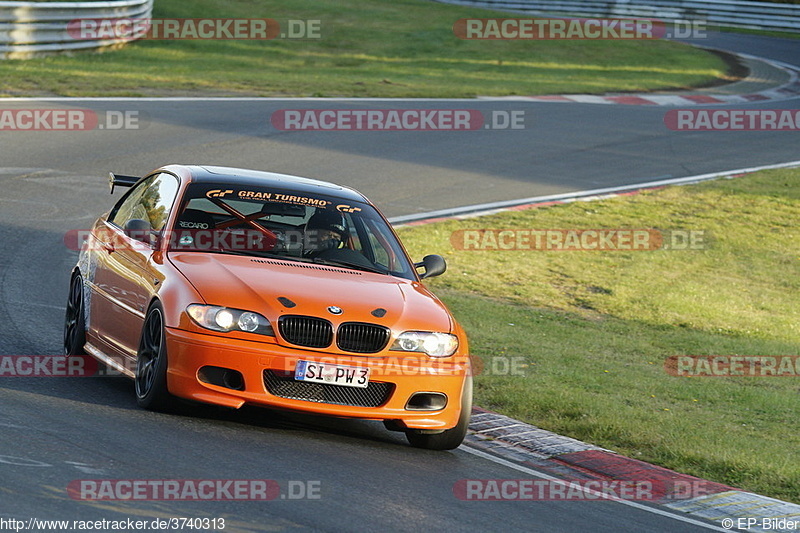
(362,338)
(285,386)
(306,331)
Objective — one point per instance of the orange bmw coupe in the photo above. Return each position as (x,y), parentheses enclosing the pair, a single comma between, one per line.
(230,287)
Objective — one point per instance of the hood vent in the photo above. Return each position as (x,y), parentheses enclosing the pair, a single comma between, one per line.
(286,302)
(306,265)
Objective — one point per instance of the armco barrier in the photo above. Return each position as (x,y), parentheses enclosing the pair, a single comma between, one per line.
(36,28)
(734,13)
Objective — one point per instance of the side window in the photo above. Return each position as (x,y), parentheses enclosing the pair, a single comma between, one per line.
(381,247)
(377,243)
(381,254)
(150,201)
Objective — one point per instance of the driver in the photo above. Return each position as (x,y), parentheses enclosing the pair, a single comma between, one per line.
(325,230)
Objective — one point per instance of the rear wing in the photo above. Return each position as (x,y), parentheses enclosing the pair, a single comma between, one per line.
(121,181)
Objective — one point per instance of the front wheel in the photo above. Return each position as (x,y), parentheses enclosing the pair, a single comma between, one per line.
(75,319)
(448,439)
(151,363)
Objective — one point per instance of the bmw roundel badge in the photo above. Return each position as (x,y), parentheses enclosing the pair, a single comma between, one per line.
(335,310)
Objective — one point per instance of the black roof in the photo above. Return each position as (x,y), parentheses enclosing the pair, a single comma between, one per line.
(258,178)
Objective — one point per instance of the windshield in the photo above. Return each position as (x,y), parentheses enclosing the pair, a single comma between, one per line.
(283,224)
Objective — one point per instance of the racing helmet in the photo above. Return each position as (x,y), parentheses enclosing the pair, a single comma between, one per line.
(325,230)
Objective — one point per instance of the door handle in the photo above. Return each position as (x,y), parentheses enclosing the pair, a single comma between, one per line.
(107,246)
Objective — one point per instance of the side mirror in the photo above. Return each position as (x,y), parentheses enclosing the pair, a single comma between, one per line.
(139,229)
(434,265)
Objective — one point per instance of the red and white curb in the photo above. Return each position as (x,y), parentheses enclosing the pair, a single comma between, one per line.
(787,91)
(523,444)
(477,210)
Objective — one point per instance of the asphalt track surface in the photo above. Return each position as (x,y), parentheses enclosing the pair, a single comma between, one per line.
(57,430)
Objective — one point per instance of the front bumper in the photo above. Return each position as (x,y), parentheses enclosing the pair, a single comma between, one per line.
(407,373)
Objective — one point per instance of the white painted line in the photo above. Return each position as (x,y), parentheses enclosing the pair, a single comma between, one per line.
(515,98)
(667,99)
(21,461)
(588,99)
(736,99)
(629,503)
(479,209)
(86,468)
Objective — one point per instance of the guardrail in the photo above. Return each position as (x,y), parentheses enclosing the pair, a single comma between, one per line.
(38,28)
(734,13)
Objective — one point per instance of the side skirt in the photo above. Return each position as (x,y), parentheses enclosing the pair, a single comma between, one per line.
(108,361)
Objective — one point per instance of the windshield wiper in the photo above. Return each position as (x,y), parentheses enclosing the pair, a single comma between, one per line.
(317,260)
(257,253)
(349,264)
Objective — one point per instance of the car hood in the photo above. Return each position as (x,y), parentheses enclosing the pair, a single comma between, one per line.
(274,288)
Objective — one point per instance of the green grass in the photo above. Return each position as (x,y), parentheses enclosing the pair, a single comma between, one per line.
(402,48)
(594,328)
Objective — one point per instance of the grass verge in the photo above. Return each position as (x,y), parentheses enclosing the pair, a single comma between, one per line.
(592,329)
(403,48)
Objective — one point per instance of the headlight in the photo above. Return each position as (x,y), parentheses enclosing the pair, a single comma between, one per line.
(433,344)
(225,319)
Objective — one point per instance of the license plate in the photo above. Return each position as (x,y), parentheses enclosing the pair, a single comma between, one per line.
(346,376)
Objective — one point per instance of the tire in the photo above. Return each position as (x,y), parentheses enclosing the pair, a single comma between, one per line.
(151,363)
(75,319)
(448,439)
